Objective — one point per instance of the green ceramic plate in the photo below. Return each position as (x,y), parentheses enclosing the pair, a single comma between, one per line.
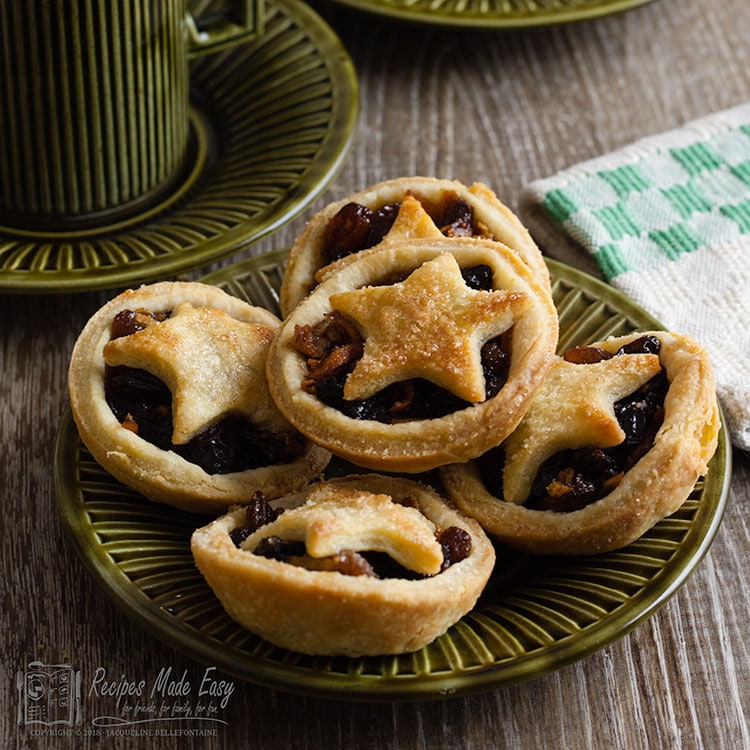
(536,615)
(495,13)
(271,120)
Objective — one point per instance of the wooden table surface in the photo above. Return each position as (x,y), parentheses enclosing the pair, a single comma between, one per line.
(504,108)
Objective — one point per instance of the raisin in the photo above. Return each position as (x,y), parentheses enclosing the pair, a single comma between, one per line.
(478,277)
(635,413)
(426,400)
(546,474)
(642,345)
(258,513)
(347,231)
(413,399)
(457,218)
(125,323)
(128,322)
(403,397)
(330,390)
(560,487)
(375,408)
(351,563)
(569,491)
(239,535)
(586,355)
(633,417)
(381,223)
(496,365)
(591,354)
(276,548)
(596,462)
(212,450)
(456,544)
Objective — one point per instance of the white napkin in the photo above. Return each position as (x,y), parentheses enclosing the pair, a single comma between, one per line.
(666,220)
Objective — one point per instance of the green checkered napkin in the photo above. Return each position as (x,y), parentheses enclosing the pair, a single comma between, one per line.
(666,220)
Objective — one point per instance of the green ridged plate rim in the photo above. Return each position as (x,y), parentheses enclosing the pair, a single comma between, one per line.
(488,14)
(536,615)
(271,121)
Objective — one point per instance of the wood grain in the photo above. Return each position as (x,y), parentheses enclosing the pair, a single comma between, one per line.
(505,108)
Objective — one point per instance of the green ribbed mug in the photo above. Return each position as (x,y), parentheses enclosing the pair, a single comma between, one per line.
(94,102)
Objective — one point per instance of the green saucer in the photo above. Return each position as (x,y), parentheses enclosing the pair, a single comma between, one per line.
(495,13)
(271,123)
(536,615)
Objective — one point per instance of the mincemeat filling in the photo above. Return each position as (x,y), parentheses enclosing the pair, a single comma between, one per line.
(455,542)
(333,347)
(142,403)
(572,479)
(356,227)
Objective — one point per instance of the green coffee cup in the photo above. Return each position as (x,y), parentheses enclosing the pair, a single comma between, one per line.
(94,102)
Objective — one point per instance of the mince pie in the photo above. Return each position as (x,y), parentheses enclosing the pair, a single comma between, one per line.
(357,565)
(168,390)
(404,208)
(614,441)
(421,353)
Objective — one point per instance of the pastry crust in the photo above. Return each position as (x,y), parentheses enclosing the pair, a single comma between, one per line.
(419,444)
(307,261)
(163,475)
(325,611)
(655,487)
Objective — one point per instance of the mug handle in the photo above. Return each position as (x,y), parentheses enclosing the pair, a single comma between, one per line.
(240,21)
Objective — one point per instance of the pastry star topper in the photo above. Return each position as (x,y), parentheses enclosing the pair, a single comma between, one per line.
(431,325)
(345,518)
(574,408)
(212,364)
(412,222)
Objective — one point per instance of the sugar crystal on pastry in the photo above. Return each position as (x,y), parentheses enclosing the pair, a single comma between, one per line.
(388,213)
(419,353)
(411,222)
(596,498)
(409,566)
(210,362)
(168,390)
(346,518)
(573,408)
(430,325)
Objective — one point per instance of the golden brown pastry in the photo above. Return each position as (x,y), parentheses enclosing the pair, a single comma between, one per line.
(421,353)
(614,441)
(167,387)
(357,565)
(394,210)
